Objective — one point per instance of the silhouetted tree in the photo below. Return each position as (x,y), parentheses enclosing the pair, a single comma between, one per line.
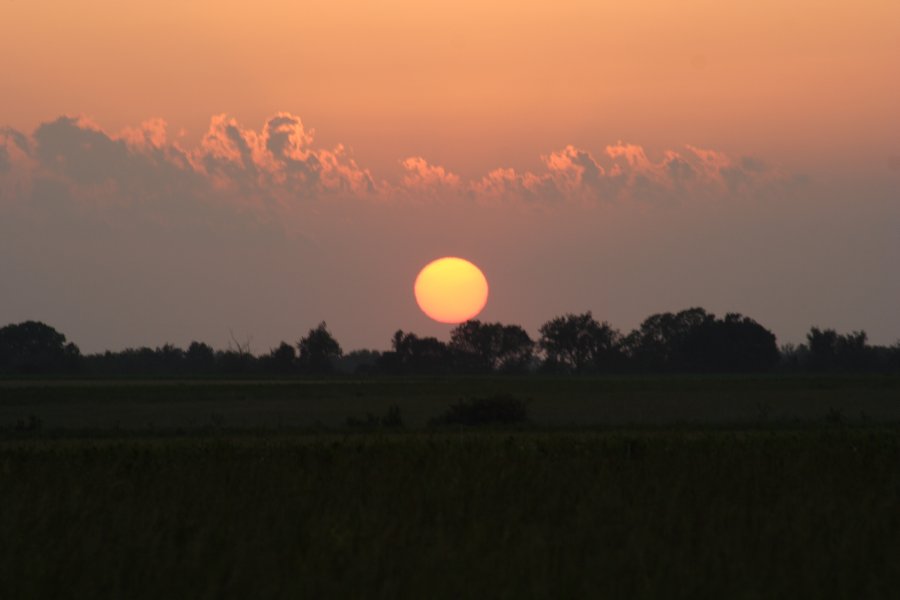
(318,351)
(579,343)
(516,350)
(691,340)
(415,355)
(170,359)
(694,340)
(822,349)
(163,361)
(892,358)
(854,352)
(794,357)
(659,343)
(34,347)
(733,344)
(486,347)
(235,362)
(200,358)
(359,362)
(281,360)
(830,351)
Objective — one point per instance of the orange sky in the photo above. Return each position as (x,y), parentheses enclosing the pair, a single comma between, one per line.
(474,84)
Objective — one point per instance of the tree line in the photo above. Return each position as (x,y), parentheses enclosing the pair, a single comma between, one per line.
(689,341)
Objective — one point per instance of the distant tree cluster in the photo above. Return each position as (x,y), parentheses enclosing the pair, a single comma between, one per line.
(35,348)
(689,341)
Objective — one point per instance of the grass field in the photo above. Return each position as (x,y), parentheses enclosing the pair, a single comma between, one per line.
(718,487)
(627,515)
(153,406)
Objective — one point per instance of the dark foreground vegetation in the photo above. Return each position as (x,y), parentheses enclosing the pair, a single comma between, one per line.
(115,407)
(761,486)
(689,459)
(690,341)
(664,514)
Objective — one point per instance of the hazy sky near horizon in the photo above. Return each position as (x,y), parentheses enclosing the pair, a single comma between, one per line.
(173,171)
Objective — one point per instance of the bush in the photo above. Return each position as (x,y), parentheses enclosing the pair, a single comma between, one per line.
(499,409)
(389,420)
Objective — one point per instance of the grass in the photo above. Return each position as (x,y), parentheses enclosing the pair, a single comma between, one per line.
(686,514)
(152,406)
(675,487)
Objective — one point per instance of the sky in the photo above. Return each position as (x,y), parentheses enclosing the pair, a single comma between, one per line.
(181,170)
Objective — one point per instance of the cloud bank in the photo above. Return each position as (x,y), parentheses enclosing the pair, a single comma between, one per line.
(280,166)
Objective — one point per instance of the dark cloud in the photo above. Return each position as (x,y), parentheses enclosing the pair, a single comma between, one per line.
(753,165)
(84,154)
(10,139)
(15,137)
(679,169)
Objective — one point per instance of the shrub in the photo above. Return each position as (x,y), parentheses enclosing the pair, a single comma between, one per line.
(499,409)
(389,420)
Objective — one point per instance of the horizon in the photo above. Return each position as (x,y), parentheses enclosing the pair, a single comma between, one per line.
(245,344)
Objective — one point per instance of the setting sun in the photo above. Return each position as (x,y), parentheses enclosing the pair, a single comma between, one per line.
(451,290)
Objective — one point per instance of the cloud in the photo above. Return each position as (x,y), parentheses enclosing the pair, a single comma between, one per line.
(14,148)
(279,161)
(15,162)
(629,175)
(506,184)
(280,166)
(420,177)
(137,161)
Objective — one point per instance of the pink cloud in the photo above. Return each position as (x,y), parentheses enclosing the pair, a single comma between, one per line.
(281,165)
(508,184)
(574,168)
(420,175)
(280,159)
(633,154)
(151,134)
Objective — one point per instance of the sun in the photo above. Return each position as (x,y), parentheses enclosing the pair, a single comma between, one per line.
(451,290)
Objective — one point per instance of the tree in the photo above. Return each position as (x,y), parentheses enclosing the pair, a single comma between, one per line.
(282,359)
(694,340)
(412,354)
(892,357)
(318,351)
(659,343)
(486,347)
(733,344)
(516,350)
(831,351)
(238,359)
(169,359)
(359,362)
(579,343)
(34,347)
(200,358)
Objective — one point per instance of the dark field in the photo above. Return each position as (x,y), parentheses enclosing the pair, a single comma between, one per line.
(317,405)
(734,488)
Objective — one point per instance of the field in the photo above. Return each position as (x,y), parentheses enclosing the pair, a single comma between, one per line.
(100,407)
(668,487)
